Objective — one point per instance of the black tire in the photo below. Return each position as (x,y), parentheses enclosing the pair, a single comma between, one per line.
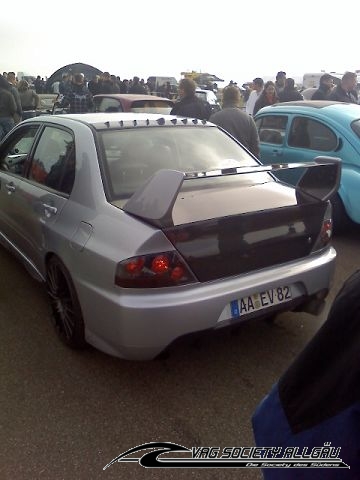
(65,305)
(270,319)
(341,221)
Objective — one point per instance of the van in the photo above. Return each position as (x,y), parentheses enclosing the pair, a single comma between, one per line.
(312,80)
(157,85)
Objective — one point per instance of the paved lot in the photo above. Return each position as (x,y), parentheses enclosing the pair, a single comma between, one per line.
(65,415)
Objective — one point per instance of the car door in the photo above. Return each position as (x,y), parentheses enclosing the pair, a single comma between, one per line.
(272,132)
(306,139)
(45,191)
(14,161)
(302,139)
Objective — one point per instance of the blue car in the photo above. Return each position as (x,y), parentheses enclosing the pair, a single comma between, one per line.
(299,131)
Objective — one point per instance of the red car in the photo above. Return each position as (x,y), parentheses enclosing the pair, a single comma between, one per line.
(126,102)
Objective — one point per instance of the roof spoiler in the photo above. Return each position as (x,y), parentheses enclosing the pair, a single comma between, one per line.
(155,199)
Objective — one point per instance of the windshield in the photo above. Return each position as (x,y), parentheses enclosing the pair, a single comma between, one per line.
(131,156)
(207,96)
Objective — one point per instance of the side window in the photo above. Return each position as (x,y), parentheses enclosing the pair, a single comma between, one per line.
(307,133)
(15,155)
(53,163)
(272,128)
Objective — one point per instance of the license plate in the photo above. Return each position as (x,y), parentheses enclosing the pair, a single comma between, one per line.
(259,301)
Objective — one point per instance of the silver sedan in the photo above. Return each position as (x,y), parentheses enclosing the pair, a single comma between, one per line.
(148,228)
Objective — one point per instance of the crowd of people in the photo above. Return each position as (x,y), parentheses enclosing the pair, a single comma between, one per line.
(76,93)
(19,99)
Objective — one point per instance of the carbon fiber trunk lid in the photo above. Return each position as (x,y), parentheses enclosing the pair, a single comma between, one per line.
(238,244)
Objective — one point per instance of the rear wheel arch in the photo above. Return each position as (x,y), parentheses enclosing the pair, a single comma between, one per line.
(64,302)
(340,217)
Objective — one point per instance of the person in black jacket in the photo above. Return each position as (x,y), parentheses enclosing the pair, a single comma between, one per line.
(346,91)
(7,107)
(189,104)
(325,87)
(79,99)
(290,92)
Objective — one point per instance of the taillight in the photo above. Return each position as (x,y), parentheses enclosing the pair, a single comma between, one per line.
(153,271)
(326,230)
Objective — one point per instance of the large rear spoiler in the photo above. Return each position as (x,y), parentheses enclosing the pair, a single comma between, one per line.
(154,201)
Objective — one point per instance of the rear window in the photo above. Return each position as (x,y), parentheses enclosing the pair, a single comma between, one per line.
(152,106)
(106,104)
(131,156)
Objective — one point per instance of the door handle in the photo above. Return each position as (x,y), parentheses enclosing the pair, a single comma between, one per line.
(10,187)
(49,210)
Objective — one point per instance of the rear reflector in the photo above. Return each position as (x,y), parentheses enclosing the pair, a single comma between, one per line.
(325,234)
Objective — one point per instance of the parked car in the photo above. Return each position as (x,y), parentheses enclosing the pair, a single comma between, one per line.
(45,106)
(308,93)
(210,97)
(299,131)
(126,102)
(47,101)
(148,228)
(158,85)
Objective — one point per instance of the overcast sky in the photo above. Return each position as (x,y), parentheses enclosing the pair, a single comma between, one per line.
(236,41)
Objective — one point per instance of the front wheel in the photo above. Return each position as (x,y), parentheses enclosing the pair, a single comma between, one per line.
(65,305)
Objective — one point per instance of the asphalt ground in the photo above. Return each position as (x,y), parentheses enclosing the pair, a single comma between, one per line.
(66,414)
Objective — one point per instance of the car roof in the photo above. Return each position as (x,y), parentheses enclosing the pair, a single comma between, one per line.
(111,120)
(326,107)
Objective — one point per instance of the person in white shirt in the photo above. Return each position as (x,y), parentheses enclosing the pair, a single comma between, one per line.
(258,86)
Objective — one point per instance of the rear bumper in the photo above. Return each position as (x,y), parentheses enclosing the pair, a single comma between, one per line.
(140,324)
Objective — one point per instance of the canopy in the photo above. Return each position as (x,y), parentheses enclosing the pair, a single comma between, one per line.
(88,70)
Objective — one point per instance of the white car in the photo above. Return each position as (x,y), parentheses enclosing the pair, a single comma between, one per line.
(210,97)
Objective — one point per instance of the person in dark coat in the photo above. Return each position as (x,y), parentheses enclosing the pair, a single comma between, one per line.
(317,399)
(346,90)
(65,84)
(325,87)
(7,107)
(190,105)
(94,85)
(137,87)
(237,122)
(106,84)
(280,82)
(79,99)
(290,92)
